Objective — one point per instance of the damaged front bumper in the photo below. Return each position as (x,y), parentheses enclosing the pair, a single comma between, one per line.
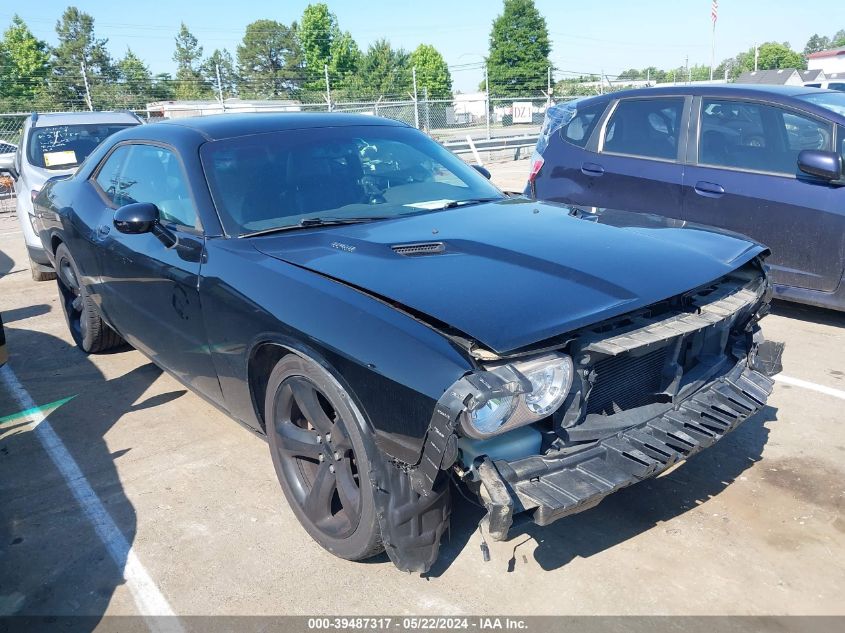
(649,390)
(555,485)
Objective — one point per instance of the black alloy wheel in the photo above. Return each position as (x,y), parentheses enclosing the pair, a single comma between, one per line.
(88,330)
(320,459)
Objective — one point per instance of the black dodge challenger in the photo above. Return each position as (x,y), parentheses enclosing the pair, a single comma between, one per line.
(391,320)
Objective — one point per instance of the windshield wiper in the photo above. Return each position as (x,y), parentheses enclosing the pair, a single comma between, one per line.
(468,201)
(307,223)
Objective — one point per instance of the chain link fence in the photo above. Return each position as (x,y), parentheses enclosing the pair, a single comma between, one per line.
(458,123)
(10,131)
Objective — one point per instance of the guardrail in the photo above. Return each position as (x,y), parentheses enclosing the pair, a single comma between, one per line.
(495,144)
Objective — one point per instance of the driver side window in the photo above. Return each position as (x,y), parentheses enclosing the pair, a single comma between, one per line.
(148,173)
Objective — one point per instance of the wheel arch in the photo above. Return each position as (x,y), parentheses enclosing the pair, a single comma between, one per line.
(55,241)
(266,352)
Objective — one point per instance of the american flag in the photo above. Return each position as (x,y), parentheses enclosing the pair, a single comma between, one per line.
(714,10)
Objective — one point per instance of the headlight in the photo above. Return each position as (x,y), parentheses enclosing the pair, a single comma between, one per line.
(551,378)
(492,414)
(539,387)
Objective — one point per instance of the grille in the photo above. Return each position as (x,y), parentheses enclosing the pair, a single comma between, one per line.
(626,381)
(422,248)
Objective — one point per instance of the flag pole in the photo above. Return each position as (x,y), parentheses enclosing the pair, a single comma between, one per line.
(713,13)
(713,50)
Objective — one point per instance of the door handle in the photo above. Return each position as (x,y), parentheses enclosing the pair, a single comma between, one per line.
(592,169)
(103,230)
(709,189)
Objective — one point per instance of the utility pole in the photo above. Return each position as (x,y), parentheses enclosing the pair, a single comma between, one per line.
(756,56)
(487,99)
(87,87)
(549,88)
(648,77)
(219,87)
(601,82)
(416,103)
(686,65)
(427,110)
(328,87)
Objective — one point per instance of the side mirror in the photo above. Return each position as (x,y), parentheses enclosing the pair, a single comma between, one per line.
(483,171)
(142,217)
(7,163)
(822,164)
(136,218)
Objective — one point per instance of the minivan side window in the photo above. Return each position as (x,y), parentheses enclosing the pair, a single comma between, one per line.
(645,127)
(579,129)
(153,174)
(757,136)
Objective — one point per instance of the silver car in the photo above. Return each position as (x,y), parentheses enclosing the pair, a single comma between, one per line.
(54,145)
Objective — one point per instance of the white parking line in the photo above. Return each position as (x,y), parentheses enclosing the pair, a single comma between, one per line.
(148,598)
(797,382)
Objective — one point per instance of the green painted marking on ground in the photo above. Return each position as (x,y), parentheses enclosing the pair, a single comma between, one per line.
(45,410)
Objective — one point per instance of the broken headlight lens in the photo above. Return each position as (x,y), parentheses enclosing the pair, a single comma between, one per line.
(551,378)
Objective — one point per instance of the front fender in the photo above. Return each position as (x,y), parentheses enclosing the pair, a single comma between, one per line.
(395,367)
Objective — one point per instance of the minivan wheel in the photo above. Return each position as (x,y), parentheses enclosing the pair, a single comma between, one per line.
(320,458)
(88,330)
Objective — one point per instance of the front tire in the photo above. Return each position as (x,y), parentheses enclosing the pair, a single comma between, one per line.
(88,330)
(320,457)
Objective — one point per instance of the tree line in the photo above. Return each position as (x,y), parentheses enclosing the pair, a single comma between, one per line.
(272,61)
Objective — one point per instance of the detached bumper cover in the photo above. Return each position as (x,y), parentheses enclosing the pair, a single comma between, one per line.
(553,488)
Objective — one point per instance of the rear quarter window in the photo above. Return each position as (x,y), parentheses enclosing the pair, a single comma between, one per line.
(580,128)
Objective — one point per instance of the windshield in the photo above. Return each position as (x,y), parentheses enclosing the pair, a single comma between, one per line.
(834,101)
(66,146)
(275,180)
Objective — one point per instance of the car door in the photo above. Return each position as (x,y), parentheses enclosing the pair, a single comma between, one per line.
(744,177)
(150,290)
(636,165)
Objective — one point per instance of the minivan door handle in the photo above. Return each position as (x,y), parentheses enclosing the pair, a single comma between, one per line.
(709,189)
(592,169)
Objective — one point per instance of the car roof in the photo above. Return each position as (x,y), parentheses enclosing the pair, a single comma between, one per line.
(735,90)
(786,95)
(82,118)
(222,126)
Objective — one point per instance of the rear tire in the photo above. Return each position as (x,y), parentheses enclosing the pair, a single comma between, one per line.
(38,272)
(88,330)
(321,460)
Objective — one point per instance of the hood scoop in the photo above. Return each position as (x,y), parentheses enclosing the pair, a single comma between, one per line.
(419,249)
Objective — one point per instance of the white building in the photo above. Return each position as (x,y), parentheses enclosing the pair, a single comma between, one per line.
(467,108)
(832,61)
(181,109)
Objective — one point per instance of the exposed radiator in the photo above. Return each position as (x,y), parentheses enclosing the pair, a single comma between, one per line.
(626,382)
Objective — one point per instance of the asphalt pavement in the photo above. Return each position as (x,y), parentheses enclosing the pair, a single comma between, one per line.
(123,493)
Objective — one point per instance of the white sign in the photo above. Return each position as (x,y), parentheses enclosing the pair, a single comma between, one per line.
(522,112)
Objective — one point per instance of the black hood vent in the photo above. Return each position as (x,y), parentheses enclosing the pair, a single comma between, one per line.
(419,249)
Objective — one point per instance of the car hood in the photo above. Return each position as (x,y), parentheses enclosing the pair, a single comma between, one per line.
(515,272)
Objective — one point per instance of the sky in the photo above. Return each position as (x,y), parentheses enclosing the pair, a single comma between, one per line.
(587,37)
